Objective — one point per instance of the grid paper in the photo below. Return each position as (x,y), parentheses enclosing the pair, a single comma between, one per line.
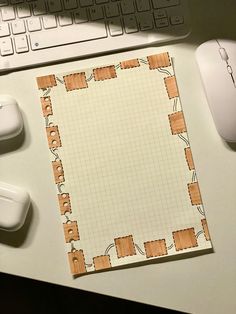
(125,172)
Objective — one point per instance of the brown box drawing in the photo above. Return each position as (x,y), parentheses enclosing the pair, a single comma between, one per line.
(53,136)
(189,158)
(46,106)
(71,231)
(75,81)
(177,123)
(160,60)
(171,86)
(46,81)
(125,246)
(205,229)
(194,193)
(77,263)
(104,73)
(184,239)
(129,64)
(102,262)
(155,248)
(58,171)
(64,203)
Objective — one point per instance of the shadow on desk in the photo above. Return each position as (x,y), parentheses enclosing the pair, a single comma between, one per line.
(25,296)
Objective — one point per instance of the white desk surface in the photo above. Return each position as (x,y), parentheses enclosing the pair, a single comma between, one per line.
(202,284)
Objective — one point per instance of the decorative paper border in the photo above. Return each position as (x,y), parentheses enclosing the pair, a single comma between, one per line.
(125,246)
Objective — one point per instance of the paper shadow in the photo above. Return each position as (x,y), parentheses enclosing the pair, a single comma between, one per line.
(154,261)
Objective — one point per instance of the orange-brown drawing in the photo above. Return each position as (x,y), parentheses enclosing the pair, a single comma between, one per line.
(47,81)
(75,81)
(64,203)
(46,106)
(128,64)
(58,171)
(53,136)
(102,262)
(77,262)
(194,193)
(184,239)
(177,123)
(125,246)
(155,248)
(205,229)
(71,231)
(160,60)
(189,158)
(171,87)
(104,73)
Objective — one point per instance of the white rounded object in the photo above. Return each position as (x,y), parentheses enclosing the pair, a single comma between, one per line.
(14,205)
(11,121)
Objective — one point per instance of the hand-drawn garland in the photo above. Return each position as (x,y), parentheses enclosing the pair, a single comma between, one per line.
(124,246)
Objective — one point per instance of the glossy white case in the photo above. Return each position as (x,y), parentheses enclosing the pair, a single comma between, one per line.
(11,121)
(14,205)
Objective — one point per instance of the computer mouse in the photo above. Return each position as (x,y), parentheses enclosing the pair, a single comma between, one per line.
(11,121)
(217,64)
(14,205)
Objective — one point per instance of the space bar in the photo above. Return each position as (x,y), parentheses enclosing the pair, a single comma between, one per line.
(67,35)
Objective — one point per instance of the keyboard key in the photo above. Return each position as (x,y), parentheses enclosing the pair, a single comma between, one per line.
(23,10)
(160,14)
(145,21)
(65,19)
(21,44)
(80,16)
(130,23)
(86,3)
(4,30)
(115,27)
(162,23)
(8,13)
(70,34)
(3,2)
(177,19)
(18,27)
(39,8)
(16,1)
(112,10)
(34,24)
(127,7)
(143,5)
(6,48)
(54,6)
(96,13)
(157,4)
(70,4)
(101,1)
(49,21)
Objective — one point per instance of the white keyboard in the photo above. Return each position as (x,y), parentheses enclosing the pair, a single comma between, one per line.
(34,32)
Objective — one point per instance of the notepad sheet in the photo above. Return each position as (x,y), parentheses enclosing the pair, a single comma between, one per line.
(122,164)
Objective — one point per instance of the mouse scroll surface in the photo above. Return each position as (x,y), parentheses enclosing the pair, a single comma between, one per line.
(11,121)
(217,64)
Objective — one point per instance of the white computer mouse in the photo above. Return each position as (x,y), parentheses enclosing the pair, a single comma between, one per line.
(217,64)
(14,206)
(11,121)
